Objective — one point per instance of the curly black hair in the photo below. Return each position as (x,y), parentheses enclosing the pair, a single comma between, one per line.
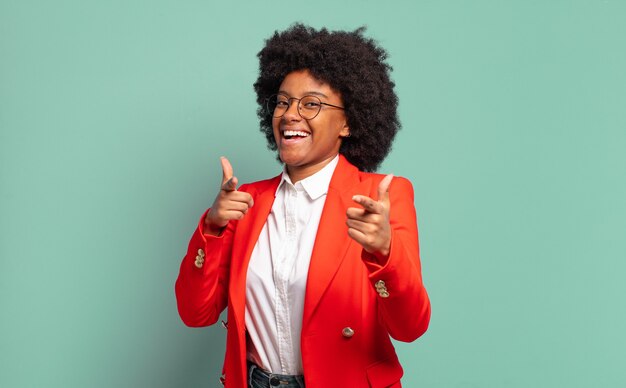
(351,64)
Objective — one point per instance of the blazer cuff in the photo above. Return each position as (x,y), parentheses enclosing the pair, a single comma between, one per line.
(201,228)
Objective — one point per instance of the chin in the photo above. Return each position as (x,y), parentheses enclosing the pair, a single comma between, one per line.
(290,160)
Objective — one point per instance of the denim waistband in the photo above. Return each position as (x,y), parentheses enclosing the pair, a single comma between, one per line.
(259,378)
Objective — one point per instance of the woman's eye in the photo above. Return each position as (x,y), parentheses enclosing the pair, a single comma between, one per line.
(282,104)
(311,104)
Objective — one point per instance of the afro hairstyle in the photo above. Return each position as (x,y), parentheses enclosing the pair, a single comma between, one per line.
(351,64)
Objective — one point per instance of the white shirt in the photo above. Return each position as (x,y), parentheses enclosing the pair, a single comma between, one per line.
(278,270)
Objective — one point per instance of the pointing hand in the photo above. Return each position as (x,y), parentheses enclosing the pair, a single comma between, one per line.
(369,226)
(229,204)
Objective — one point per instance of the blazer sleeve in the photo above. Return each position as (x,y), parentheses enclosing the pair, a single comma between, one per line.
(403,304)
(202,293)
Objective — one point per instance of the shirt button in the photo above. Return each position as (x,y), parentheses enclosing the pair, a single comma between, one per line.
(347,332)
(384,294)
(201,253)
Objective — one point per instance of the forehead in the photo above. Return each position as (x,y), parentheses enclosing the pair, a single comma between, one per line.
(302,82)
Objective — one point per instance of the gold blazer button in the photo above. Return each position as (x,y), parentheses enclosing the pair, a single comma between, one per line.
(347,332)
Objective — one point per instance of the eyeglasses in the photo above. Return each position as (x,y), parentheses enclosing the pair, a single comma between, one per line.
(308,106)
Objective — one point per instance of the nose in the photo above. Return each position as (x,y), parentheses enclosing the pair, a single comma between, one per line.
(292,111)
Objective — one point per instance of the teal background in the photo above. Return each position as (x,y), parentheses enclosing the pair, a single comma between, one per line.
(113,115)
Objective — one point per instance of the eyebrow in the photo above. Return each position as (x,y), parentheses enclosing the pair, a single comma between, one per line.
(305,93)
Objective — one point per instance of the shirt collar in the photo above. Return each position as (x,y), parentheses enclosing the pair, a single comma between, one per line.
(317,184)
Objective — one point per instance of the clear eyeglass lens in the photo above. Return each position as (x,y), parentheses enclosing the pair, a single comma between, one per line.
(309,107)
(277,105)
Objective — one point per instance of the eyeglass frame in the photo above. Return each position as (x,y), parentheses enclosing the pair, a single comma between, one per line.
(289,99)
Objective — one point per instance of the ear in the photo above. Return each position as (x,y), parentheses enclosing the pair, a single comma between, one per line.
(345,130)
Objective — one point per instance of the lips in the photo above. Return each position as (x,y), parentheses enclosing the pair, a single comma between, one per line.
(294,137)
(290,134)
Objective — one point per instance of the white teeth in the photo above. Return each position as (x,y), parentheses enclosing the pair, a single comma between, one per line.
(296,133)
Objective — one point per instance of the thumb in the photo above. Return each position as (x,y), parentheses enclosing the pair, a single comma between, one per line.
(229,182)
(383,188)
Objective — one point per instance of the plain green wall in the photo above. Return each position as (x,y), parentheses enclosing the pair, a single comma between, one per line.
(113,115)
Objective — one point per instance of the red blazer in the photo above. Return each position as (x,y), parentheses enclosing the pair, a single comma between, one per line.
(343,291)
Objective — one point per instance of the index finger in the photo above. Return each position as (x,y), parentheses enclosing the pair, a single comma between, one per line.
(370,205)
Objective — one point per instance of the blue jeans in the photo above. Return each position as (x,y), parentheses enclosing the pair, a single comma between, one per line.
(258,378)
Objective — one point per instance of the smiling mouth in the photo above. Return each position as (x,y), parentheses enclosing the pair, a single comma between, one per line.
(295,134)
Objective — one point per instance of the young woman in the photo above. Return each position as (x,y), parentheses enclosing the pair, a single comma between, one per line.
(318,266)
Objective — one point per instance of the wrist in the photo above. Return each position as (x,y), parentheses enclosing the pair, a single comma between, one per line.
(210,228)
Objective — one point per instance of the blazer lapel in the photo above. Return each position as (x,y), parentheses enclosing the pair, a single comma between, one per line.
(332,240)
(248,232)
